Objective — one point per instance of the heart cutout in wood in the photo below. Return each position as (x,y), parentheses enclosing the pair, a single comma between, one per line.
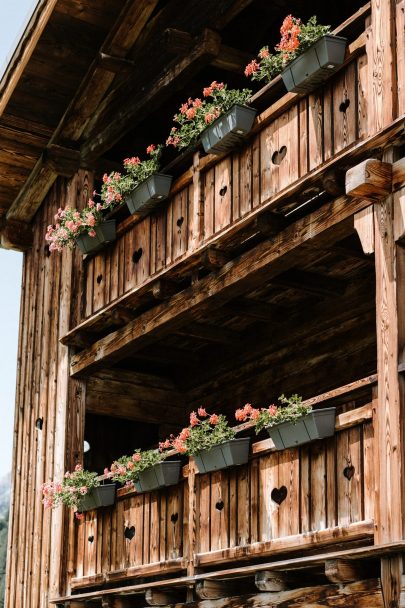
(174,517)
(348,472)
(223,190)
(99,278)
(129,533)
(136,256)
(39,423)
(219,505)
(344,105)
(90,539)
(180,221)
(279,494)
(279,155)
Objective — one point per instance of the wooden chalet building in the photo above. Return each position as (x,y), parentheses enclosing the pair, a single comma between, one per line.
(277,268)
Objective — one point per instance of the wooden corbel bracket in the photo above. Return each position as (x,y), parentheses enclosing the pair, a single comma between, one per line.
(371,179)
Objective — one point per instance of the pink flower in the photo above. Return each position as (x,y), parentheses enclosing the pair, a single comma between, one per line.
(90,219)
(132,161)
(183,108)
(254,414)
(83,490)
(106,179)
(164,445)
(136,457)
(106,471)
(193,419)
(207,91)
(79,515)
(202,412)
(197,103)
(185,434)
(191,112)
(273,410)
(264,53)
(130,465)
(122,470)
(78,467)
(91,203)
(240,415)
(214,419)
(251,68)
(150,149)
(179,446)
(92,233)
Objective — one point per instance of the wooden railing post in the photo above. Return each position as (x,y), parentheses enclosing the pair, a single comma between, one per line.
(389,412)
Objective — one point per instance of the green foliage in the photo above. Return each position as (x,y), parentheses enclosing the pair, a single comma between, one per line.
(71,490)
(296,38)
(291,410)
(126,469)
(205,431)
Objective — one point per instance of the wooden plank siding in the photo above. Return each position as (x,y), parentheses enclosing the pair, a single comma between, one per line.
(301,139)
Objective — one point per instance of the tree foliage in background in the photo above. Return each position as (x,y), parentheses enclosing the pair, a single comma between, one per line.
(3,553)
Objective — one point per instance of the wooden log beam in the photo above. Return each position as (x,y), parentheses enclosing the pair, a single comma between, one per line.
(269,224)
(64,161)
(370,179)
(213,258)
(16,235)
(255,310)
(105,133)
(267,580)
(269,259)
(116,65)
(343,571)
(214,589)
(157,597)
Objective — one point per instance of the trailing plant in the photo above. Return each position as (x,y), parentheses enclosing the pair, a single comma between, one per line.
(205,431)
(196,114)
(71,490)
(291,409)
(296,37)
(126,469)
(71,223)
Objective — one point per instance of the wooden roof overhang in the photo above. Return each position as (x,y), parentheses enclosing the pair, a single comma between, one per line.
(85,75)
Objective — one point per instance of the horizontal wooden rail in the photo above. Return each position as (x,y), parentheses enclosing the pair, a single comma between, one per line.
(308,561)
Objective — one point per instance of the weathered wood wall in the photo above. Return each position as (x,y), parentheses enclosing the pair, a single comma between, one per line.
(48,409)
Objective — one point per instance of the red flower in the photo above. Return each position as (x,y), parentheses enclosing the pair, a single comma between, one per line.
(264,53)
(183,108)
(185,434)
(193,419)
(191,112)
(207,91)
(214,419)
(150,149)
(251,68)
(273,410)
(202,412)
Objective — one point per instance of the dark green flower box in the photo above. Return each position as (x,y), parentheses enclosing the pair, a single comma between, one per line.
(228,454)
(145,197)
(105,233)
(316,425)
(229,130)
(315,65)
(102,496)
(161,475)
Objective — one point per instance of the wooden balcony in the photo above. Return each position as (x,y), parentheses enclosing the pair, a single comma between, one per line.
(240,515)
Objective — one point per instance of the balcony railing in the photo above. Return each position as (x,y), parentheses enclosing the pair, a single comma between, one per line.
(315,496)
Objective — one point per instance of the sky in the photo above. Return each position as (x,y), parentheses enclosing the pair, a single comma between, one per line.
(13,17)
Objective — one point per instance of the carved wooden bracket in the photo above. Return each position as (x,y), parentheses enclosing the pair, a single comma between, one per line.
(370,179)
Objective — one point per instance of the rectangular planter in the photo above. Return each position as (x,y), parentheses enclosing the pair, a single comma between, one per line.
(166,473)
(315,65)
(103,496)
(145,197)
(316,425)
(229,130)
(105,233)
(228,454)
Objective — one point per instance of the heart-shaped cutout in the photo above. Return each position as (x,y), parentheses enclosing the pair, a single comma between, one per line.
(99,278)
(39,423)
(223,190)
(348,472)
(174,517)
(136,256)
(219,505)
(279,155)
(344,105)
(90,539)
(180,222)
(279,494)
(129,533)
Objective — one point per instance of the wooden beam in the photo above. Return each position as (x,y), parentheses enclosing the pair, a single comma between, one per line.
(130,111)
(16,235)
(253,309)
(364,226)
(343,571)
(64,161)
(269,259)
(268,580)
(311,282)
(370,179)
(157,597)
(269,224)
(213,258)
(210,333)
(214,589)
(163,289)
(116,65)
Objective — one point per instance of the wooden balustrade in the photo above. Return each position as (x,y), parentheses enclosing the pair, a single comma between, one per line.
(313,496)
(288,144)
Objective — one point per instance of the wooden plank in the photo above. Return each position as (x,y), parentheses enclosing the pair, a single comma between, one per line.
(372,179)
(223,194)
(400,55)
(364,226)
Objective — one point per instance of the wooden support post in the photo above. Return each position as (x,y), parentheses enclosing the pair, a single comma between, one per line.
(343,571)
(389,410)
(364,226)
(370,179)
(271,581)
